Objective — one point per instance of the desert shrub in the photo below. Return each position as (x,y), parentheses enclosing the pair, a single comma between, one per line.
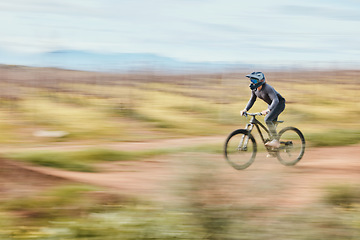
(342,195)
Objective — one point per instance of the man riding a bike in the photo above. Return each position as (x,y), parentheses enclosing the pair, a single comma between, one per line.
(276,104)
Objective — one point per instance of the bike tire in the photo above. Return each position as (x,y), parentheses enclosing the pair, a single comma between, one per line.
(240,159)
(292,146)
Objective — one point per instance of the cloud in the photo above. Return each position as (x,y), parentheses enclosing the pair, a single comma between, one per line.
(191,30)
(64,7)
(335,12)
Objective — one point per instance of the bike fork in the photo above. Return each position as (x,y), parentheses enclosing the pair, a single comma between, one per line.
(245,138)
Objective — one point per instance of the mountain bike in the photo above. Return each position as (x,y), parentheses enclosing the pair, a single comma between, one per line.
(240,146)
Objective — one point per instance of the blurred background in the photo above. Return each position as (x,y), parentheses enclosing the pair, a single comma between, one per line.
(113,116)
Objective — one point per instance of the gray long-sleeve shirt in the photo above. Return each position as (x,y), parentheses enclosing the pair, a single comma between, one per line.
(268,94)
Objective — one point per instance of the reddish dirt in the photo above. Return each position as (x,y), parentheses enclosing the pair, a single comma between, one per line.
(17,181)
(263,183)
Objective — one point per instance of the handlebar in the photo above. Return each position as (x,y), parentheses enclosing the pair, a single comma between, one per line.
(253,114)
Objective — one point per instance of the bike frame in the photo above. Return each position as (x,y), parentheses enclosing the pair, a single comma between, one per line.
(249,127)
(254,122)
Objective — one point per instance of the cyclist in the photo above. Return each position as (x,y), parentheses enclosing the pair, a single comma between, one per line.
(276,104)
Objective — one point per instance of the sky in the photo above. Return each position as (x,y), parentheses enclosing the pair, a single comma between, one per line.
(255,31)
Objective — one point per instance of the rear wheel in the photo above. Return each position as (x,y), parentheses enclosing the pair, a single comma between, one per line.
(292,146)
(240,149)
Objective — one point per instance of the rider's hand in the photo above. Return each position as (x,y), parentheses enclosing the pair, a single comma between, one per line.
(243,112)
(265,112)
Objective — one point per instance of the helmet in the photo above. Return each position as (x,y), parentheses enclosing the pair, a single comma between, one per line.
(257,79)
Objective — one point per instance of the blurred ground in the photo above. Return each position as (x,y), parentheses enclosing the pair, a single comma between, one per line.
(168,127)
(266,182)
(17,180)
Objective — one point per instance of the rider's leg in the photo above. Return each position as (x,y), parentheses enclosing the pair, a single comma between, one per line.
(272,117)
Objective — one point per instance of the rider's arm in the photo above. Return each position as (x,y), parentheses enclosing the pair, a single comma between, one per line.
(251,101)
(275,100)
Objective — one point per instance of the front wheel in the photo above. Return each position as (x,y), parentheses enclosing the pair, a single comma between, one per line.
(240,149)
(292,146)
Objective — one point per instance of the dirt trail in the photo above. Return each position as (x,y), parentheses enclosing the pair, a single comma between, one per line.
(266,181)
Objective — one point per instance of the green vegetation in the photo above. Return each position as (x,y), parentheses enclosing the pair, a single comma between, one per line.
(106,108)
(136,107)
(84,160)
(343,195)
(85,212)
(60,201)
(81,161)
(334,137)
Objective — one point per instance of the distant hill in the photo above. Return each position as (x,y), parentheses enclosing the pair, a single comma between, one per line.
(117,62)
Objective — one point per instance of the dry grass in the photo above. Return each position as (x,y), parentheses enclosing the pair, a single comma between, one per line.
(133,107)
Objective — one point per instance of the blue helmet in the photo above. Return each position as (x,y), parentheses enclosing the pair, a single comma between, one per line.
(257,79)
